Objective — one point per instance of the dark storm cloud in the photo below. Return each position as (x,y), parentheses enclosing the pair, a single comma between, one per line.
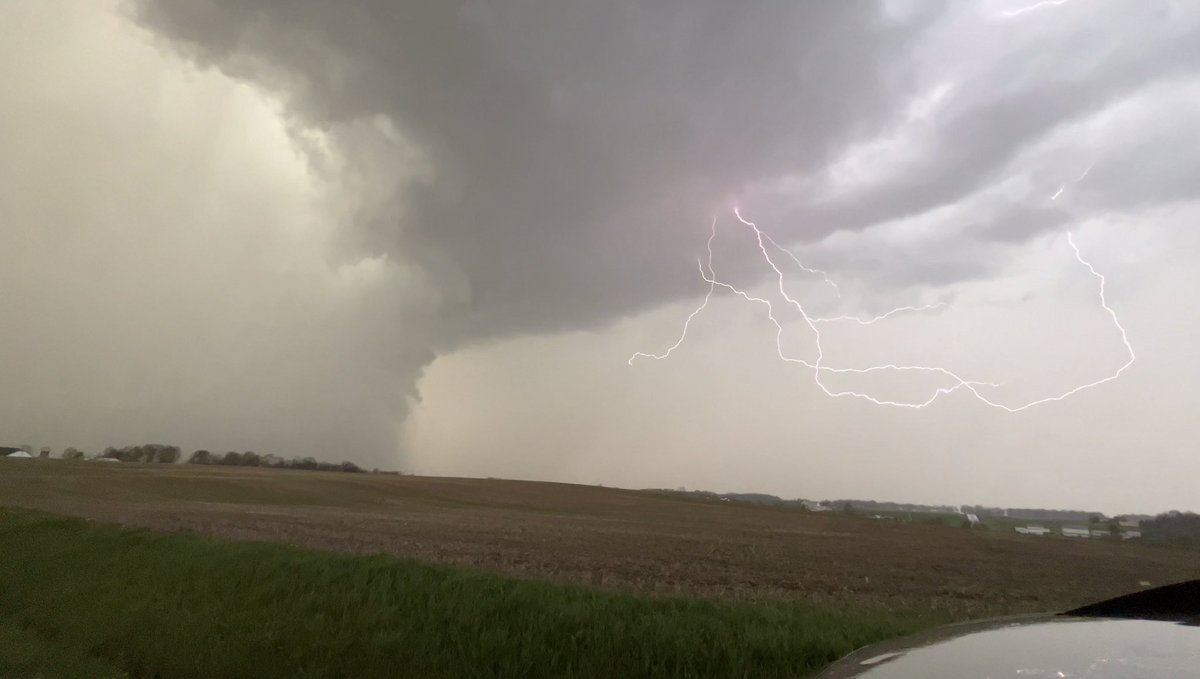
(576,148)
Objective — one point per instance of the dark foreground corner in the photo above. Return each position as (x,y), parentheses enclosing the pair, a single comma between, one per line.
(1173,603)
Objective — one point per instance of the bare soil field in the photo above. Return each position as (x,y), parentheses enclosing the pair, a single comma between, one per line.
(620,539)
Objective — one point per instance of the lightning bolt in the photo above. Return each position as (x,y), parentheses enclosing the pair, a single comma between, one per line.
(712,287)
(818,369)
(815,272)
(1076,180)
(1032,8)
(881,317)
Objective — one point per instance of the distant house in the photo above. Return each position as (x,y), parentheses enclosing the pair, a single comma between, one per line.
(1129,522)
(5,451)
(19,453)
(1069,532)
(1131,534)
(1098,533)
(812,506)
(1032,530)
(972,519)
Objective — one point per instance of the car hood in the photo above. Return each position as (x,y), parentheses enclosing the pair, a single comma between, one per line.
(1147,635)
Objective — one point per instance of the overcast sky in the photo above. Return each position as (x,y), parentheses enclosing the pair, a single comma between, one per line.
(430,238)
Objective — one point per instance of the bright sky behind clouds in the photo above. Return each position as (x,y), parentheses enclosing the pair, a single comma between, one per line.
(430,238)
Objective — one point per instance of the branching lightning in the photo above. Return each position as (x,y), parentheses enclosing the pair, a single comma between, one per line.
(955,382)
(816,272)
(712,287)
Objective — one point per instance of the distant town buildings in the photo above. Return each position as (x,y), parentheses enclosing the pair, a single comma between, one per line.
(1079,532)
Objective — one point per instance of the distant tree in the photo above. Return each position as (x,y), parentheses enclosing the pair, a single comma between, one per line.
(72,453)
(847,508)
(26,448)
(169,454)
(350,467)
(1173,526)
(251,459)
(201,457)
(232,458)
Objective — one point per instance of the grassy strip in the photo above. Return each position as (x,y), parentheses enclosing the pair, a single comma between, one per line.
(157,605)
(25,654)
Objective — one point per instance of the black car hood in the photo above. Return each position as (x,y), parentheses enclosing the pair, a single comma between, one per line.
(1147,635)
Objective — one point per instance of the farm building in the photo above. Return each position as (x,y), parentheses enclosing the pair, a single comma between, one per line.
(19,454)
(1032,530)
(9,450)
(1069,532)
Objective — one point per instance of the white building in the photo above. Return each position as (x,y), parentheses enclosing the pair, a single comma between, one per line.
(1032,530)
(1076,532)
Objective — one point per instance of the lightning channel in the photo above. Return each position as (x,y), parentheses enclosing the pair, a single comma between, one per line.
(1009,14)
(816,364)
(1076,180)
(882,317)
(712,286)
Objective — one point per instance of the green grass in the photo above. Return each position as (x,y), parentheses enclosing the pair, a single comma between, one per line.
(105,599)
(24,653)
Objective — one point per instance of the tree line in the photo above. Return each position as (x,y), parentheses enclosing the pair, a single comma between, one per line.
(1173,526)
(151,452)
(253,459)
(167,454)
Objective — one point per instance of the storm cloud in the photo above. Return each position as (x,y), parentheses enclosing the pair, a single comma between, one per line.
(570,153)
(478,172)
